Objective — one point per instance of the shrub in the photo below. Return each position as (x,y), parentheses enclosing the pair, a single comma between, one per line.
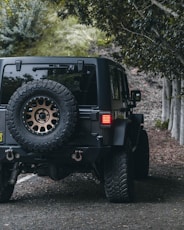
(162,125)
(21,24)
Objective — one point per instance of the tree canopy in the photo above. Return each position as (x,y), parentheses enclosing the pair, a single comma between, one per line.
(150,33)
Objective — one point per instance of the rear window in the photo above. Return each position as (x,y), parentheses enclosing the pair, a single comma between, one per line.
(81,84)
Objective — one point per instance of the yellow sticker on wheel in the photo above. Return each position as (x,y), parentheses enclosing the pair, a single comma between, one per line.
(1,137)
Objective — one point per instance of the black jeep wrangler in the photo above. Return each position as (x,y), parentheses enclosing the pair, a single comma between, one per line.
(61,115)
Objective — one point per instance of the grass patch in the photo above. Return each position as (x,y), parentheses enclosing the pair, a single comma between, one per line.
(162,125)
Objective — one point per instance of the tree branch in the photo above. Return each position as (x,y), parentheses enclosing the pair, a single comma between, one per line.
(164,8)
(132,32)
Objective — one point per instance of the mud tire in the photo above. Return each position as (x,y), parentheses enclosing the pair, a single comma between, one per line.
(6,189)
(41,115)
(118,176)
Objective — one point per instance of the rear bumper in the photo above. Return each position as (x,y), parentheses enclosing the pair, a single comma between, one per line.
(66,154)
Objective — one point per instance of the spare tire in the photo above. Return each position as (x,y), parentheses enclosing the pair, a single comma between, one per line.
(41,115)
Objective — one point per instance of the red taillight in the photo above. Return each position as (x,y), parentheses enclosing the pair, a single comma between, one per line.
(106,119)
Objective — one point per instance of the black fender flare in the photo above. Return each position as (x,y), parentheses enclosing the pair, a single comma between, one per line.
(137,121)
(127,127)
(120,129)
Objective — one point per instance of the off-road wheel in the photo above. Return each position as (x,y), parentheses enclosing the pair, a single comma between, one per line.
(6,189)
(41,115)
(118,175)
(141,157)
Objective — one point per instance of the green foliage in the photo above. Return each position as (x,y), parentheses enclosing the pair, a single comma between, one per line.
(33,27)
(162,125)
(21,23)
(149,32)
(66,38)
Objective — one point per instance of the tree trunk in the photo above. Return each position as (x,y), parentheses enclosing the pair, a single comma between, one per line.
(171,110)
(166,99)
(182,114)
(171,115)
(176,89)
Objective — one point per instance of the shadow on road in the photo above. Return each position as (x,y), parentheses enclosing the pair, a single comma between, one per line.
(159,189)
(80,189)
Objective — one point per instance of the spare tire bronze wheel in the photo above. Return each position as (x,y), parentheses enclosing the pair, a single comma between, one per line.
(42,115)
